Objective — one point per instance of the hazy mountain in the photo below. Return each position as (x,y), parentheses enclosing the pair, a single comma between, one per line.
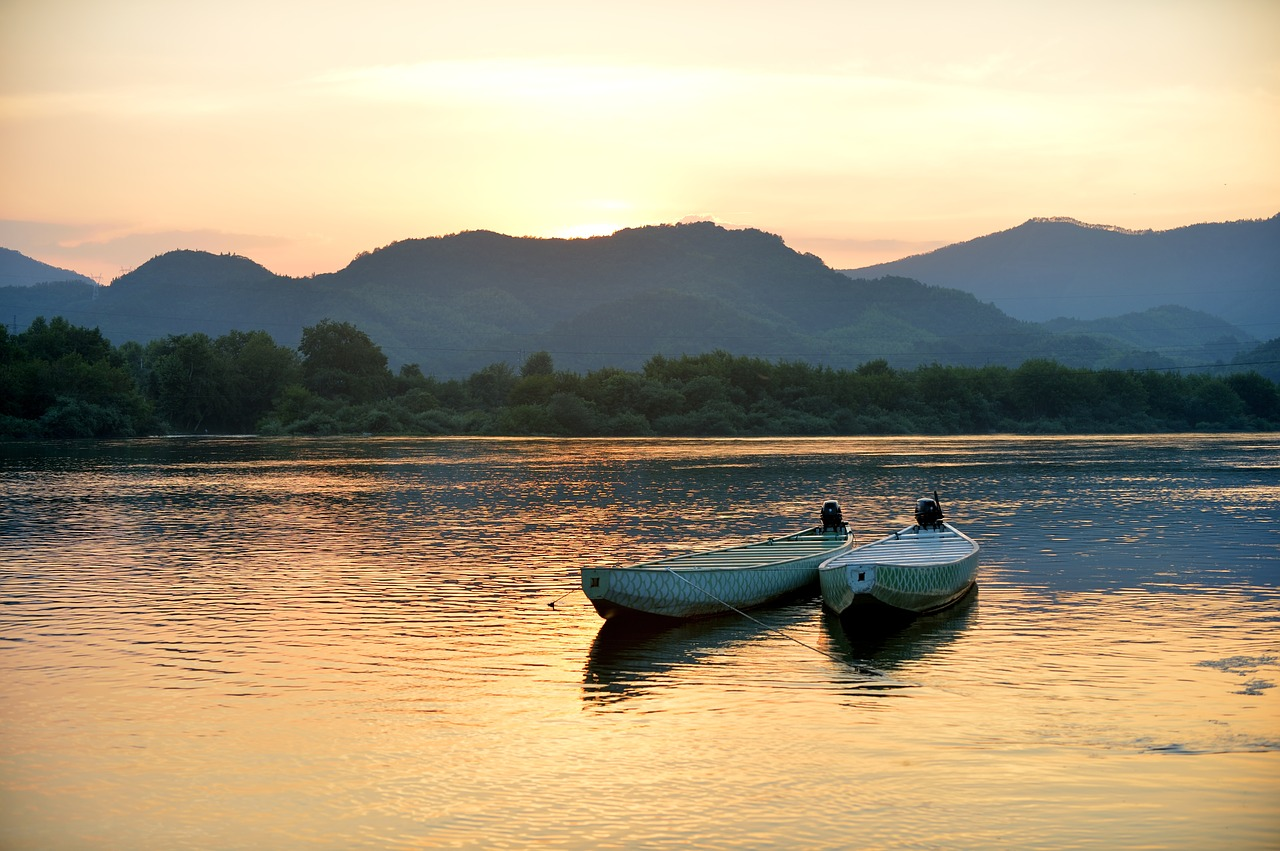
(199,269)
(1181,333)
(454,304)
(1048,268)
(1265,359)
(19,270)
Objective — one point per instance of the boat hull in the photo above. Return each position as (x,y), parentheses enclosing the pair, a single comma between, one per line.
(715,582)
(912,572)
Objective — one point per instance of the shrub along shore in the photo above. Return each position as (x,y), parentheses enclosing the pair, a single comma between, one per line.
(61,381)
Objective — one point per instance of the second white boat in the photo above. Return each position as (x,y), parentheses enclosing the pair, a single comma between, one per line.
(919,569)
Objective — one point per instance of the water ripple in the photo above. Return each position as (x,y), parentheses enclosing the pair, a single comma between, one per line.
(291,643)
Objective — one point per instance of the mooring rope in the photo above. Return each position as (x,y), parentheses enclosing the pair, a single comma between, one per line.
(552,604)
(862,669)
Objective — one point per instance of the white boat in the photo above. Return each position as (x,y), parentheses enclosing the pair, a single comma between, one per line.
(919,569)
(717,581)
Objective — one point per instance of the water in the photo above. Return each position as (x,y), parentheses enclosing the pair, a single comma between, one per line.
(242,644)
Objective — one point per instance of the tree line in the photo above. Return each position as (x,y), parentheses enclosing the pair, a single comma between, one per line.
(62,381)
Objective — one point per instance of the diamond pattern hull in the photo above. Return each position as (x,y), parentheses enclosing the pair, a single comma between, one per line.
(711,583)
(913,571)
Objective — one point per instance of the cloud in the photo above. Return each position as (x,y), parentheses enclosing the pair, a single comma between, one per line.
(521,82)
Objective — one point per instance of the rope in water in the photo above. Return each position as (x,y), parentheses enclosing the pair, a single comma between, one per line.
(865,669)
(552,604)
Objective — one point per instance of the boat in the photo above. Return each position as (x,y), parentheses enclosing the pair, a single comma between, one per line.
(923,568)
(712,582)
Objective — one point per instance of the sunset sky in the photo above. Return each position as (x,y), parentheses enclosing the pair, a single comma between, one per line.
(301,133)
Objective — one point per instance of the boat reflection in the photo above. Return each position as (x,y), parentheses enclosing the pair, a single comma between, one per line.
(630,660)
(888,644)
(634,658)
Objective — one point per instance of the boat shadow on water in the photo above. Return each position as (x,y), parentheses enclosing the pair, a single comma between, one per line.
(886,642)
(631,657)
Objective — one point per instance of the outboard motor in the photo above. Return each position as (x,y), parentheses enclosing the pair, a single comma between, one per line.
(831,516)
(929,513)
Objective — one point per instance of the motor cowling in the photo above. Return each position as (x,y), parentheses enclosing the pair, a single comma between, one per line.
(832,518)
(928,513)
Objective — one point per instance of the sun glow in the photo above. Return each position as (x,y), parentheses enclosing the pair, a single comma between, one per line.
(836,126)
(589,229)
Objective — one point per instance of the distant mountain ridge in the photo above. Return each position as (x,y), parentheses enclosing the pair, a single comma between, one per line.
(1049,268)
(189,269)
(1073,221)
(19,270)
(454,304)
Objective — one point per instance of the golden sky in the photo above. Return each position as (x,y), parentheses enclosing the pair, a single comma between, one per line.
(301,132)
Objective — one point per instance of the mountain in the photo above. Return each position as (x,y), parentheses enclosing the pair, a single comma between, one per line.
(19,270)
(195,270)
(1188,336)
(1265,360)
(1048,268)
(454,304)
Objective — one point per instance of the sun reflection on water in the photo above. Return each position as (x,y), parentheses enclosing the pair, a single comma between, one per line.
(221,644)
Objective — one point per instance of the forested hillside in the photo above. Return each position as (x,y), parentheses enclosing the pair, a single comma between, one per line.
(1265,360)
(454,304)
(58,380)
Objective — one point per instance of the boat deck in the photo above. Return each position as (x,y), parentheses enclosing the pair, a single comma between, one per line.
(910,547)
(773,551)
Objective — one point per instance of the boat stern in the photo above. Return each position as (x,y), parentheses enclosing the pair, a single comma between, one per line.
(860,577)
(595,582)
(844,582)
(595,585)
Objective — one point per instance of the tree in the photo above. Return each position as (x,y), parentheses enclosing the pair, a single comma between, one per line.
(703,390)
(57,338)
(572,414)
(188,381)
(491,386)
(59,380)
(1258,394)
(873,386)
(1210,403)
(1045,388)
(339,361)
(11,374)
(258,371)
(538,363)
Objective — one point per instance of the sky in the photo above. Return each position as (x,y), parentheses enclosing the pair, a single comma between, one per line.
(300,134)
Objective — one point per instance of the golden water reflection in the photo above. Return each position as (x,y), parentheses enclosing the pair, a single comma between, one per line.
(319,644)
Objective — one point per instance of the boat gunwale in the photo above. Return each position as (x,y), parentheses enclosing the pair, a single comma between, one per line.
(748,554)
(844,559)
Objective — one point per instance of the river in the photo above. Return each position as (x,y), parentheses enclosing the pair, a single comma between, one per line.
(242,643)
